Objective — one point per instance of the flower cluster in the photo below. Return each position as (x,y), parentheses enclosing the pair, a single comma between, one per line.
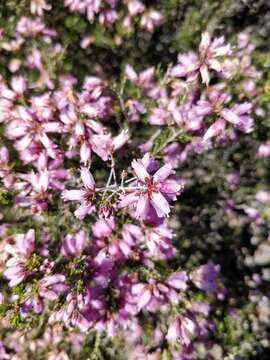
(91,190)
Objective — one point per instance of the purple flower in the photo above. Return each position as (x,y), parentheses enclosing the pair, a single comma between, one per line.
(74,245)
(205,278)
(151,191)
(182,329)
(85,196)
(210,52)
(104,146)
(21,251)
(216,101)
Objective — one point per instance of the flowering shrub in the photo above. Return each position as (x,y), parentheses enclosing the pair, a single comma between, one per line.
(134,201)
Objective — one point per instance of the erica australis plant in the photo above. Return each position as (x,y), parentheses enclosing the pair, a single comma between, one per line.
(133,191)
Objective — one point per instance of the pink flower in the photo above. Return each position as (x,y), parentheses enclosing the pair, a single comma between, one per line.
(151,191)
(37,7)
(210,53)
(214,130)
(28,128)
(205,278)
(85,196)
(21,251)
(5,169)
(34,191)
(73,245)
(151,20)
(143,80)
(51,286)
(264,150)
(135,7)
(216,101)
(182,329)
(104,146)
(103,228)
(159,242)
(135,110)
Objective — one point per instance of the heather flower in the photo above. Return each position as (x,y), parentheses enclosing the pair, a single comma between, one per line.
(143,80)
(103,228)
(238,115)
(150,20)
(37,7)
(86,42)
(3,353)
(159,242)
(172,154)
(151,191)
(28,128)
(85,196)
(18,85)
(80,310)
(79,113)
(182,329)
(116,247)
(263,196)
(184,62)
(159,117)
(104,146)
(178,280)
(156,294)
(74,245)
(33,191)
(20,253)
(135,7)
(210,53)
(135,110)
(205,278)
(108,17)
(5,170)
(51,286)
(56,175)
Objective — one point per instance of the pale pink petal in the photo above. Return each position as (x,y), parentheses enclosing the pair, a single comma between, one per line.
(140,170)
(120,140)
(87,178)
(230,116)
(163,173)
(215,129)
(52,126)
(160,204)
(215,65)
(144,299)
(205,74)
(24,142)
(130,73)
(47,143)
(205,42)
(142,207)
(222,50)
(82,211)
(137,288)
(75,195)
(173,331)
(85,153)
(44,180)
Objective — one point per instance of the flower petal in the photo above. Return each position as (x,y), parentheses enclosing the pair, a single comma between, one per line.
(87,178)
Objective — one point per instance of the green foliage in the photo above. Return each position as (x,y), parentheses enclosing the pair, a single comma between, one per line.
(5,197)
(34,262)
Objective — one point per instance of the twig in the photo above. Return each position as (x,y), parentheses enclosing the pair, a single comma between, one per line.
(169,140)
